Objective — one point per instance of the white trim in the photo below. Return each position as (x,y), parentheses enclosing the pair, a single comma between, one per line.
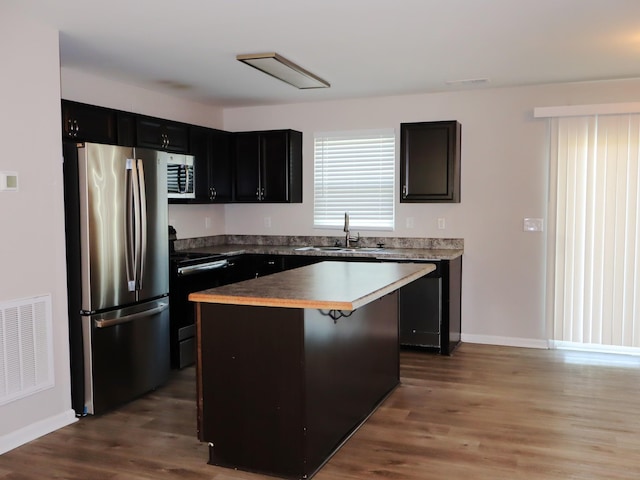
(577,110)
(36,430)
(588,347)
(506,341)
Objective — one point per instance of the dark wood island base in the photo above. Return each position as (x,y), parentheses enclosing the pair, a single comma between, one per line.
(281,388)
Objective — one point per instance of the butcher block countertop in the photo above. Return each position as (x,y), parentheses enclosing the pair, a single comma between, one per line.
(324,285)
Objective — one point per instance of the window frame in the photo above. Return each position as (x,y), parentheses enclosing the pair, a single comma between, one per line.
(364,214)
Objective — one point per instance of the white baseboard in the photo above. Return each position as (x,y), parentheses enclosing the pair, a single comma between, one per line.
(505,341)
(36,430)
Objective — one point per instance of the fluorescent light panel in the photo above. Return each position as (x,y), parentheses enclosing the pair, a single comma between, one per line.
(279,67)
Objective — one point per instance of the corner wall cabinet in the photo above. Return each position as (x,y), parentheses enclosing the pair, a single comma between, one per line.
(430,161)
(268,166)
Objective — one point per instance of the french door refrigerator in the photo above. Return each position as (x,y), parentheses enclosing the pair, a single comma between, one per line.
(117,273)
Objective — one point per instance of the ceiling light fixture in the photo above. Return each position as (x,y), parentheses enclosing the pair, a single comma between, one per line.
(468,81)
(279,67)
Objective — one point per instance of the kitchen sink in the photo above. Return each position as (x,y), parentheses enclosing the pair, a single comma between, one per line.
(340,249)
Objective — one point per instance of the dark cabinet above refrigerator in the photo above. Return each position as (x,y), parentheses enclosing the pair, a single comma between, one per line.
(162,134)
(88,123)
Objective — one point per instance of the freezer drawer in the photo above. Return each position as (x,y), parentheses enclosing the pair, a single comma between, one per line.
(126,354)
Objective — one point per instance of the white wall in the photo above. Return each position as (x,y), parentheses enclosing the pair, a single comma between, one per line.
(504,179)
(79,86)
(32,252)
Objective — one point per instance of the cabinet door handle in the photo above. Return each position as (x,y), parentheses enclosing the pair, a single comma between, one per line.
(73,128)
(258,193)
(404,191)
(212,193)
(167,140)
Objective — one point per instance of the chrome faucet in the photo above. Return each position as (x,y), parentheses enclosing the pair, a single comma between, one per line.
(348,238)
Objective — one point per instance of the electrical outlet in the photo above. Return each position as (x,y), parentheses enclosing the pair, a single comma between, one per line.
(533,225)
(207,223)
(441,224)
(267,222)
(410,222)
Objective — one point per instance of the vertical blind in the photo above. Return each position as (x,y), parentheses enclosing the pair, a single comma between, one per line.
(595,181)
(354,173)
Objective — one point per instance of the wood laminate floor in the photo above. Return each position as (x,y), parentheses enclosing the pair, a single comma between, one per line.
(487,412)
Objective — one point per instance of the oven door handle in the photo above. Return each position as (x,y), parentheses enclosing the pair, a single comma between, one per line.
(202,267)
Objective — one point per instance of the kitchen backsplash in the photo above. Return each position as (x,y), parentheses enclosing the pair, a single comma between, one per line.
(293,240)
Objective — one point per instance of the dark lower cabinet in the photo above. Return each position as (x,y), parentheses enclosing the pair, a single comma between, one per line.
(430,313)
(421,312)
(429,308)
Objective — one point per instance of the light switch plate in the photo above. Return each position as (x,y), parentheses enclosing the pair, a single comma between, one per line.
(8,181)
(533,225)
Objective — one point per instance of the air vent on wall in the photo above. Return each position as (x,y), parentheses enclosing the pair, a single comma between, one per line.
(26,350)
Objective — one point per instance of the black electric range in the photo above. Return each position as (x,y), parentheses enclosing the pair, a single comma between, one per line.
(189,272)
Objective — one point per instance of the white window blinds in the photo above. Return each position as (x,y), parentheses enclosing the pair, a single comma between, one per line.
(354,173)
(595,180)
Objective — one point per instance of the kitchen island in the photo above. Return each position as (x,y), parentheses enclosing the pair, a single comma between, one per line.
(290,365)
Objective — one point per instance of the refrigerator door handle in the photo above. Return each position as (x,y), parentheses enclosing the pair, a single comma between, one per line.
(131,223)
(130,318)
(142,245)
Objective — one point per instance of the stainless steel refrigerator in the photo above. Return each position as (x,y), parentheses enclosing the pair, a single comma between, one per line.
(117,261)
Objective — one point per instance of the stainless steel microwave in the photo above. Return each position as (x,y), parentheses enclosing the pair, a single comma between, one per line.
(181,176)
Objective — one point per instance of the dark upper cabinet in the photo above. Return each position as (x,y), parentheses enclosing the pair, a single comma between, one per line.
(430,161)
(82,122)
(268,166)
(212,151)
(126,129)
(162,134)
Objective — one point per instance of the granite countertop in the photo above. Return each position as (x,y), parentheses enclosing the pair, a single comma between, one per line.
(324,285)
(367,252)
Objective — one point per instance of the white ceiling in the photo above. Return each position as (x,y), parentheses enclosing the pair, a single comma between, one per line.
(187,48)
